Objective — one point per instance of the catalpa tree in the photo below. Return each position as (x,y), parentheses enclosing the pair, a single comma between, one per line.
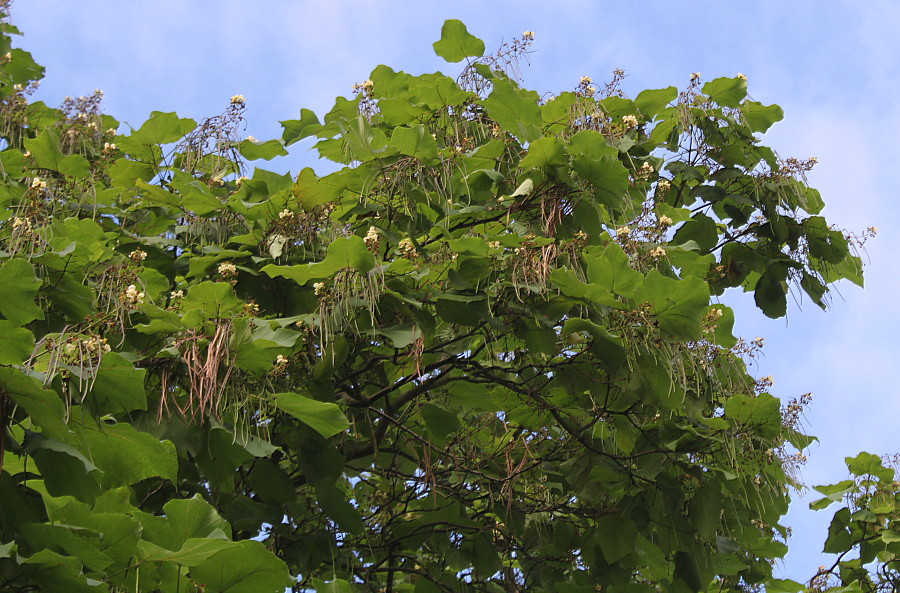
(485,354)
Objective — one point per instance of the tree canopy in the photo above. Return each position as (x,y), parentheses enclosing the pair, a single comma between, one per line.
(485,354)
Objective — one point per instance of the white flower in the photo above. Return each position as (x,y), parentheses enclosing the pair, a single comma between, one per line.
(813,160)
(178,294)
(227,269)
(281,360)
(657,253)
(372,239)
(285,214)
(741,76)
(38,183)
(109,147)
(494,244)
(70,347)
(586,80)
(241,180)
(407,248)
(646,168)
(663,185)
(623,232)
(529,35)
(138,255)
(251,139)
(695,76)
(664,220)
(111,131)
(132,296)
(319,288)
(237,99)
(630,121)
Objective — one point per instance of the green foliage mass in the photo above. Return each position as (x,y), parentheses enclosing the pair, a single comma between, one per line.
(483,355)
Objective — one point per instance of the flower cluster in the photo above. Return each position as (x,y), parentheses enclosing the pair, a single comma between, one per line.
(109,147)
(623,232)
(645,171)
(23,225)
(664,221)
(657,253)
(407,248)
(711,320)
(238,100)
(528,35)
(38,183)
(227,270)
(177,294)
(286,213)
(663,185)
(132,297)
(137,255)
(372,239)
(320,289)
(630,121)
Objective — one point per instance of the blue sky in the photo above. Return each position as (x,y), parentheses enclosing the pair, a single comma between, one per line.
(832,65)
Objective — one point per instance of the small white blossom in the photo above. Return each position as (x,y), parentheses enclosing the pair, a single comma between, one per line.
(285,214)
(372,239)
(227,269)
(695,76)
(623,232)
(529,35)
(663,185)
(138,255)
(630,121)
(586,80)
(319,288)
(38,183)
(109,146)
(657,253)
(664,220)
(251,139)
(742,76)
(237,99)
(177,294)
(132,296)
(407,248)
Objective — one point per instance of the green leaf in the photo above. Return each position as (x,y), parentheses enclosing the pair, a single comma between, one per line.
(456,43)
(16,343)
(47,155)
(606,175)
(416,142)
(514,109)
(128,456)
(267,150)
(298,129)
(761,413)
(770,294)
(194,552)
(118,387)
(866,464)
(609,268)
(349,252)
(652,102)
(325,418)
(18,288)
(440,422)
(760,117)
(44,406)
(162,128)
(190,518)
(544,153)
(727,92)
(677,304)
(245,567)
